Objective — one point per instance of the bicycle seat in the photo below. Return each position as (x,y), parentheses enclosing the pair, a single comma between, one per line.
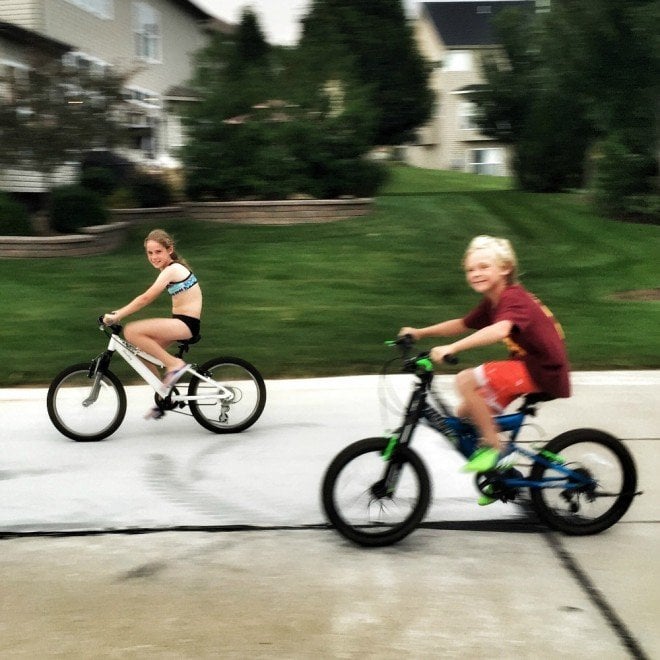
(530,401)
(537,397)
(189,342)
(184,344)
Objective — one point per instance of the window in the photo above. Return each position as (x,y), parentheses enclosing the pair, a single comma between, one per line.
(82,62)
(100,8)
(142,97)
(458,60)
(467,112)
(487,161)
(146,27)
(11,74)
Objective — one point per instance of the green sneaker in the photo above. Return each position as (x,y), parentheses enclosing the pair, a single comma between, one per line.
(484,459)
(485,499)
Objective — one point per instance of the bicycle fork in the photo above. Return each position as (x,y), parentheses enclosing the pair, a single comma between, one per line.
(401,438)
(97,369)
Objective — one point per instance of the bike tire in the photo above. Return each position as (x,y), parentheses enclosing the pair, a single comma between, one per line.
(603,457)
(77,420)
(250,395)
(355,508)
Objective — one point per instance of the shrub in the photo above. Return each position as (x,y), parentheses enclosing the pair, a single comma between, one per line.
(150,190)
(99,179)
(73,207)
(623,177)
(121,169)
(122,198)
(14,218)
(277,160)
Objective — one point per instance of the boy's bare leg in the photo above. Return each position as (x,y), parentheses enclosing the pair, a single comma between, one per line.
(475,407)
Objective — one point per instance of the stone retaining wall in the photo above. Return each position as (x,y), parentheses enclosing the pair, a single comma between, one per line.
(286,212)
(92,240)
(106,238)
(149,216)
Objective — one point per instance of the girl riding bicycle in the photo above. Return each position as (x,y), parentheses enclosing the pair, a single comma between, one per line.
(155,335)
(537,358)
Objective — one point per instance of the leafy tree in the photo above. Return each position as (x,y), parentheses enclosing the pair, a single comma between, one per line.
(261,131)
(54,113)
(530,106)
(371,44)
(609,50)
(579,82)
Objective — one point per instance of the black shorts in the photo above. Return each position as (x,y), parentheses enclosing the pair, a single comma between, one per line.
(193,324)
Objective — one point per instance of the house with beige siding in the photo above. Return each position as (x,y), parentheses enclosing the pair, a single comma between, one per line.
(453,36)
(153,39)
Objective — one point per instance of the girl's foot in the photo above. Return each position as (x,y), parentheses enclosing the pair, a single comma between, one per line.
(171,377)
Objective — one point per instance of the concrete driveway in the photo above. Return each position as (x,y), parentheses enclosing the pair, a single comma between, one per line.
(167,541)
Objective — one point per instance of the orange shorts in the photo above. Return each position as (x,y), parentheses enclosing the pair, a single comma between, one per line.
(502,382)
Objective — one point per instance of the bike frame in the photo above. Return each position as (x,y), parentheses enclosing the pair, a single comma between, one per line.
(134,357)
(463,436)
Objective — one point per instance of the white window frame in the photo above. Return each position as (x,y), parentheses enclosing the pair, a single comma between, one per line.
(10,72)
(488,160)
(147,32)
(104,9)
(142,97)
(467,111)
(79,60)
(458,60)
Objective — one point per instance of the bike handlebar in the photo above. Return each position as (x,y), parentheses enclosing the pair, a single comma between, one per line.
(115,328)
(405,344)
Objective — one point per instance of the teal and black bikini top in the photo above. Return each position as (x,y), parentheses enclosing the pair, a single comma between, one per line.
(178,287)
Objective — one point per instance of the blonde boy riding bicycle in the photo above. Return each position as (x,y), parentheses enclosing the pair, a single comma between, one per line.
(508,313)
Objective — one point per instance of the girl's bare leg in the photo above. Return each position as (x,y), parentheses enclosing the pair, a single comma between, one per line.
(154,336)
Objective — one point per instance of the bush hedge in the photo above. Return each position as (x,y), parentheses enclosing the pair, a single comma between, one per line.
(150,190)
(14,218)
(73,207)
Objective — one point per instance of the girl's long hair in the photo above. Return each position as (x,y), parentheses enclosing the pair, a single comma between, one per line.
(163,238)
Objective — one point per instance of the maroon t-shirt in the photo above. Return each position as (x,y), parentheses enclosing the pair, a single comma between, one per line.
(536,337)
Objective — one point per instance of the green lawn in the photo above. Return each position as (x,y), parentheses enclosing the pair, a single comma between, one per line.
(320,300)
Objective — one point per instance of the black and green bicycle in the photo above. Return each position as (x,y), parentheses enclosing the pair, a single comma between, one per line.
(376,491)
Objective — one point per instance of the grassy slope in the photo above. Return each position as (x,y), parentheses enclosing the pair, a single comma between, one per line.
(312,300)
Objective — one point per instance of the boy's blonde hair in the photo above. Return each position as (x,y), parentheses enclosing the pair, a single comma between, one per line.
(502,249)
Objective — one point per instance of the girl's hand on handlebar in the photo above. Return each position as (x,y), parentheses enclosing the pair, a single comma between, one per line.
(110,319)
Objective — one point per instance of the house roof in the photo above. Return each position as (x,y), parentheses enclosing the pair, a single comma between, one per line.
(193,9)
(17,34)
(469,23)
(212,23)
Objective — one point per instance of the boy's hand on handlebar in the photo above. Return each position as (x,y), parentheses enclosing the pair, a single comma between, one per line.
(412,332)
(110,319)
(440,354)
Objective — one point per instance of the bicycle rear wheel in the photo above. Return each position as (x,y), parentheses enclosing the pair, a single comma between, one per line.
(81,411)
(587,509)
(357,502)
(244,407)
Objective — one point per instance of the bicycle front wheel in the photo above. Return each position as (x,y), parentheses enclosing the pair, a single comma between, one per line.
(84,408)
(362,507)
(591,508)
(244,405)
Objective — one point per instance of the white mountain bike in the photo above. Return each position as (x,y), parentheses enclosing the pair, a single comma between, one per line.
(87,401)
